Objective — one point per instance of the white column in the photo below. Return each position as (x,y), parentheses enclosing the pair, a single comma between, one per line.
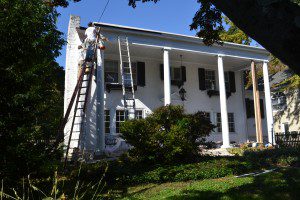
(223,104)
(100,102)
(268,103)
(167,77)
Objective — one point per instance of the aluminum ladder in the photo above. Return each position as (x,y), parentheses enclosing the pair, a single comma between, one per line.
(127,78)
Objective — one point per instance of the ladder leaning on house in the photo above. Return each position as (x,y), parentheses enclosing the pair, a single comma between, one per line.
(127,78)
(80,98)
(81,93)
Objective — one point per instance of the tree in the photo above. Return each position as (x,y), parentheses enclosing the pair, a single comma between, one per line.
(275,24)
(31,101)
(234,34)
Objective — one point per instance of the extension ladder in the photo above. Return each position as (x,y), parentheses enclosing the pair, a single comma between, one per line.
(81,93)
(127,78)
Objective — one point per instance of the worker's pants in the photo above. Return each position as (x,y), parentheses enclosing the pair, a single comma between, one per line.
(90,50)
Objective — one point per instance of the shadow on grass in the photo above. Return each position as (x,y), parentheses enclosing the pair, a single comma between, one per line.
(284,184)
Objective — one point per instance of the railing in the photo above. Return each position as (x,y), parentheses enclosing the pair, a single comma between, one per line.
(289,139)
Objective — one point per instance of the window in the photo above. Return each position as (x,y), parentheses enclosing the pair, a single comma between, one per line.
(279,101)
(207,116)
(107,121)
(139,114)
(230,122)
(210,80)
(126,71)
(111,71)
(120,117)
(227,83)
(219,122)
(176,74)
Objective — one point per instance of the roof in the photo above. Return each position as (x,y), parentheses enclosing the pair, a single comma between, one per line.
(167,35)
(275,79)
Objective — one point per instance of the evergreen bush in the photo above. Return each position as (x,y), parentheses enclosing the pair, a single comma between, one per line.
(167,135)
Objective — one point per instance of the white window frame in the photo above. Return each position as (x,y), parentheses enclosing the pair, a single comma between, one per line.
(115,62)
(107,121)
(279,101)
(139,115)
(210,79)
(231,122)
(119,119)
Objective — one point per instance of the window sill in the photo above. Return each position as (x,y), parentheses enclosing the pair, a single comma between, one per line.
(211,93)
(116,86)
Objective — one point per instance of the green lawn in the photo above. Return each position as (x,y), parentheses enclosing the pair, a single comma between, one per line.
(280,184)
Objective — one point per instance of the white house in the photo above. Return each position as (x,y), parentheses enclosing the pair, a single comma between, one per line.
(212,77)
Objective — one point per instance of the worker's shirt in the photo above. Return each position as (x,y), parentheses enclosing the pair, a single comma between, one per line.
(90,33)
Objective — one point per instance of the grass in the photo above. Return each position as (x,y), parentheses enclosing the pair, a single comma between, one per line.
(280,184)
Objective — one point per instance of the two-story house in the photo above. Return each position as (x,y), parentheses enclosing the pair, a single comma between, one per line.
(168,69)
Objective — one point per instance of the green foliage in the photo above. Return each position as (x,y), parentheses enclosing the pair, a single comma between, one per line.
(234,34)
(167,135)
(128,170)
(31,86)
(214,168)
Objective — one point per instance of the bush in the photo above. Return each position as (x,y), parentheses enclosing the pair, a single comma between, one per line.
(167,135)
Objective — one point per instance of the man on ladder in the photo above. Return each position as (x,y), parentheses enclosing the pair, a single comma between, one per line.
(86,55)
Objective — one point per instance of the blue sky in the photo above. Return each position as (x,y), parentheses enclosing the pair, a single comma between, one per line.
(167,15)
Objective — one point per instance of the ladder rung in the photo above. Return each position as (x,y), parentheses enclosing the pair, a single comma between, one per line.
(81,101)
(82,94)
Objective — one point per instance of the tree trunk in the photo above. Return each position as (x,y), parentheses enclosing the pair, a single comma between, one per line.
(275,24)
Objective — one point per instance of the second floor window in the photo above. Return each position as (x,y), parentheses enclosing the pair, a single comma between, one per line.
(111,71)
(176,74)
(227,82)
(210,80)
(126,71)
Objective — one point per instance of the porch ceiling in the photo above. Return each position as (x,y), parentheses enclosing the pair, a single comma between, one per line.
(209,61)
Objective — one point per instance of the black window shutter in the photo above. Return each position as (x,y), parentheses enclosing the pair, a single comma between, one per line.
(201,76)
(250,108)
(232,82)
(183,73)
(141,74)
(262,111)
(161,68)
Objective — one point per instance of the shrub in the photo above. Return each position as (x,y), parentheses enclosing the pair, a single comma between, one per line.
(167,135)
